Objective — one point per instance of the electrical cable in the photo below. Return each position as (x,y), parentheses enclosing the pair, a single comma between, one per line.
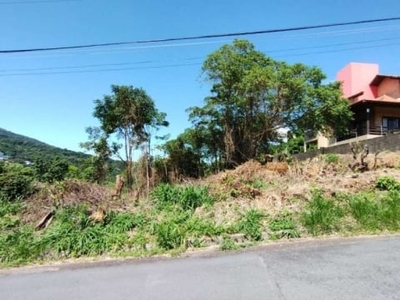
(246,33)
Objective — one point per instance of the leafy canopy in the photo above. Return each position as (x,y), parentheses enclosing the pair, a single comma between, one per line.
(129,114)
(253,96)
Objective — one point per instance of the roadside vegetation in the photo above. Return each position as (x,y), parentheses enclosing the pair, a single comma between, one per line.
(176,218)
(227,182)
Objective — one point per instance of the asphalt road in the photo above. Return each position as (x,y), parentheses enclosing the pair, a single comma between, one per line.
(367,268)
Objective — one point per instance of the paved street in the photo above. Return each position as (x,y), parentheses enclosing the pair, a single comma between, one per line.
(364,268)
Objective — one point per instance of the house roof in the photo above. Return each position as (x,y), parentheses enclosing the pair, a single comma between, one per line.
(386,98)
(380,77)
(381,101)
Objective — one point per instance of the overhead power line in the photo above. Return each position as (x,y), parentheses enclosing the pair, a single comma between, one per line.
(36,2)
(124,66)
(330,46)
(246,33)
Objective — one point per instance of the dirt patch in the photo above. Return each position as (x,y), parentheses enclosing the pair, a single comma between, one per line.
(276,186)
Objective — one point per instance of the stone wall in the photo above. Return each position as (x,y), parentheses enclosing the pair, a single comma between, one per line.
(390,142)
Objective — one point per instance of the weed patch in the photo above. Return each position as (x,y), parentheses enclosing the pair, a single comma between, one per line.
(376,212)
(331,158)
(188,197)
(387,183)
(322,215)
(283,226)
(250,224)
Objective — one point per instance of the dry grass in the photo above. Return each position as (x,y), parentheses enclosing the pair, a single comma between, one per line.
(71,192)
(270,187)
(282,186)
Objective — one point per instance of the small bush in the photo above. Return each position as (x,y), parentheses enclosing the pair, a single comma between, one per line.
(365,210)
(9,218)
(10,208)
(258,184)
(170,235)
(73,234)
(121,222)
(376,213)
(250,224)
(227,244)
(199,227)
(332,158)
(188,197)
(387,183)
(390,210)
(321,215)
(284,227)
(15,184)
(18,246)
(51,171)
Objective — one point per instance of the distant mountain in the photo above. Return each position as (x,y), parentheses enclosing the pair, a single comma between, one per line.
(21,148)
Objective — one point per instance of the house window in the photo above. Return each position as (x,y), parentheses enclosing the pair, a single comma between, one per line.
(390,124)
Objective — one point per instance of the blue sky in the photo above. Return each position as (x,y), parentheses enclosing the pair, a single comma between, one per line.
(49,95)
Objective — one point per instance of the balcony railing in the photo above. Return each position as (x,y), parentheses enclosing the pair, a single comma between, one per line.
(373,130)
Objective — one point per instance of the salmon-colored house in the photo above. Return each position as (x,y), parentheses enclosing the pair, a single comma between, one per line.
(374,99)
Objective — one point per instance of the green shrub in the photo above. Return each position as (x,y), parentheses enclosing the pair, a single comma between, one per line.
(170,235)
(390,210)
(18,246)
(73,234)
(332,158)
(227,244)
(321,215)
(202,227)
(192,197)
(387,183)
(250,224)
(14,185)
(121,222)
(284,227)
(376,212)
(365,210)
(10,208)
(258,184)
(51,170)
(188,197)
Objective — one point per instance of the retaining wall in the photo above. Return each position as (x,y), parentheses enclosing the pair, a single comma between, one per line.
(390,142)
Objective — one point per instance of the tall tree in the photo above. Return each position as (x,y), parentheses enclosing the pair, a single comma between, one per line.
(252,96)
(127,114)
(97,166)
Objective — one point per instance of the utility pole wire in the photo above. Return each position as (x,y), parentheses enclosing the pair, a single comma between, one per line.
(37,2)
(210,36)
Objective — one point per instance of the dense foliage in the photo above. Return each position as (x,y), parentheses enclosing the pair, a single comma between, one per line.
(16,181)
(129,114)
(253,97)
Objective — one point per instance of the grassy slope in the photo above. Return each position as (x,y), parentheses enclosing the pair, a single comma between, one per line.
(237,208)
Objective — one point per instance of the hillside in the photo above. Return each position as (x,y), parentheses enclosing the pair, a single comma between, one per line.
(21,148)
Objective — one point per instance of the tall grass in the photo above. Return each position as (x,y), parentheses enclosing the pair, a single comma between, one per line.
(250,223)
(322,215)
(376,211)
(187,197)
(284,226)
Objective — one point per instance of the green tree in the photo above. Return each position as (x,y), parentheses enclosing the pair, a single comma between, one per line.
(183,155)
(97,167)
(51,170)
(127,114)
(15,181)
(253,96)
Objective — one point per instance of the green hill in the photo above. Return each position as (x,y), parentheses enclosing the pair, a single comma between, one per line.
(21,148)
